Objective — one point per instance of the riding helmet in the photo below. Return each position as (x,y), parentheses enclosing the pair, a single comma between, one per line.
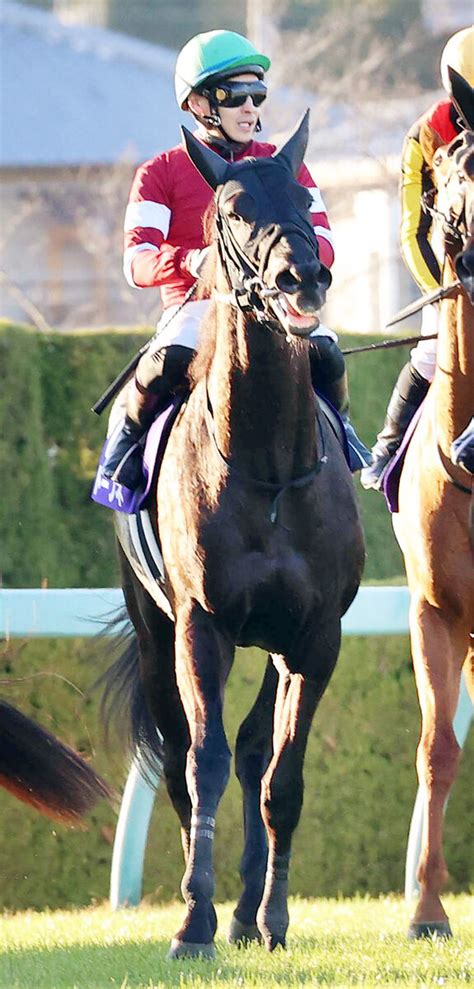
(215,54)
(459,55)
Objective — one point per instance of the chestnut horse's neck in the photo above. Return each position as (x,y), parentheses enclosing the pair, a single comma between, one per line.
(259,387)
(452,385)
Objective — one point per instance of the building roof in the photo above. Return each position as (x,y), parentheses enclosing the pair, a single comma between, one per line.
(74,94)
(79,95)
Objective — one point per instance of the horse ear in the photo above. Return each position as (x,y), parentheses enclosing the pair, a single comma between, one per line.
(293,152)
(462,95)
(211,166)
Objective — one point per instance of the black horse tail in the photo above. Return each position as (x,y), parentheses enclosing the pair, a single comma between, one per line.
(39,769)
(124,710)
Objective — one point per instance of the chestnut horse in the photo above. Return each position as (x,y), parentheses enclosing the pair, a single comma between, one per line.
(433,528)
(262,545)
(39,769)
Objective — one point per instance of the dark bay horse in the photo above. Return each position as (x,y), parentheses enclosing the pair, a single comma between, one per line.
(39,769)
(434,528)
(262,545)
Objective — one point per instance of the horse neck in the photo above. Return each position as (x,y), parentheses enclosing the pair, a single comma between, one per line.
(262,399)
(452,386)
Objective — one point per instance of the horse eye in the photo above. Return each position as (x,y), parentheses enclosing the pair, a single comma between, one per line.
(229,208)
(300,197)
(246,206)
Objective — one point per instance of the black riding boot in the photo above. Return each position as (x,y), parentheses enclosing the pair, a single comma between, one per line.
(159,374)
(123,457)
(328,373)
(407,396)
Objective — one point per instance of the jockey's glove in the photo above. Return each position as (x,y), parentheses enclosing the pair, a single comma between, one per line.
(196,260)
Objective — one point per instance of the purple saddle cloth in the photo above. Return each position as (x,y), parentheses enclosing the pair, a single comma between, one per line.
(114,495)
(393,473)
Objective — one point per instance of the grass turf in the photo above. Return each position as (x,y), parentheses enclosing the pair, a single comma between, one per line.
(345,942)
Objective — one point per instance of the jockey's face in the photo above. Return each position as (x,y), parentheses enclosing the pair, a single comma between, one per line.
(238,122)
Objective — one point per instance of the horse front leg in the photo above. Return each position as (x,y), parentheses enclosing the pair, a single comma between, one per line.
(282,789)
(203,661)
(438,649)
(252,755)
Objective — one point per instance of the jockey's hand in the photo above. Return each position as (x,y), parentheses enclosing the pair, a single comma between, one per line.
(196,260)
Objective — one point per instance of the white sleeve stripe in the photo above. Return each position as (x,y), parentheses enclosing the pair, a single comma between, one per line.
(147,214)
(317,206)
(128,257)
(324,232)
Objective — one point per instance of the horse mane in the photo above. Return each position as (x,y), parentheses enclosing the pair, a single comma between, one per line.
(201,363)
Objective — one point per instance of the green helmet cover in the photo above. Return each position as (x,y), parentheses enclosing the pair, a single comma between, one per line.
(211,54)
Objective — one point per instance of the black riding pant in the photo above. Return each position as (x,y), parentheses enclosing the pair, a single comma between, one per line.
(165,370)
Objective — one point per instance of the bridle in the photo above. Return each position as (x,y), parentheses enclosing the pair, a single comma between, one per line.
(454,226)
(245,270)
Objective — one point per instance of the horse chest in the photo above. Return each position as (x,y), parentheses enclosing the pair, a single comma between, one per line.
(262,597)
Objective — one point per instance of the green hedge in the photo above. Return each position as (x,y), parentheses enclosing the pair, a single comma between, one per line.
(48,527)
(359,773)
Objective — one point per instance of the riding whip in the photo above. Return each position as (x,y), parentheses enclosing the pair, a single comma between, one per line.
(128,370)
(425,300)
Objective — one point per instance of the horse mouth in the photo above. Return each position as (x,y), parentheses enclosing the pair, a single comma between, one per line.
(294,321)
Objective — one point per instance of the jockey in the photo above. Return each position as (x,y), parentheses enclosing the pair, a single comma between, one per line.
(219,80)
(440,124)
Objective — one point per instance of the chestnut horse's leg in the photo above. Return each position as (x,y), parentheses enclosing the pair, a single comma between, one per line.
(252,755)
(438,647)
(282,784)
(203,661)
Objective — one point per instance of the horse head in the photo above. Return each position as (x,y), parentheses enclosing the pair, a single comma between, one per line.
(266,243)
(453,172)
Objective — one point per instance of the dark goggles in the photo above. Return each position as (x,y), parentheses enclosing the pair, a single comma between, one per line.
(232,94)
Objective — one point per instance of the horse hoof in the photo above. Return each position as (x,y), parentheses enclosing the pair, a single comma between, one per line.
(275,941)
(438,928)
(188,949)
(242,934)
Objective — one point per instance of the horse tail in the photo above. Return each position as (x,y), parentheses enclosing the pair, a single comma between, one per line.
(39,769)
(124,710)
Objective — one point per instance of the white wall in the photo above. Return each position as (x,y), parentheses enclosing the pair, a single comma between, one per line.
(367,270)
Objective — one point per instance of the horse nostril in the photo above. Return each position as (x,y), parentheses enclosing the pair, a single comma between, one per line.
(287,282)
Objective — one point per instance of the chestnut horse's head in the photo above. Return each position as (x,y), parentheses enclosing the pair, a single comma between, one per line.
(267,246)
(453,171)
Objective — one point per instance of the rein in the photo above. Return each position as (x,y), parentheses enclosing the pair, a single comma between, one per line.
(387,344)
(279,489)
